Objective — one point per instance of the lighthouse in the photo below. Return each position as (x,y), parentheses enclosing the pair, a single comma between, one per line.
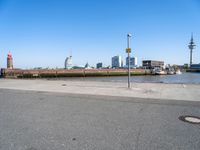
(9,61)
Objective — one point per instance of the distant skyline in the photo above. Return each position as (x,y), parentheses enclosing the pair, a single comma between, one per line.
(42,33)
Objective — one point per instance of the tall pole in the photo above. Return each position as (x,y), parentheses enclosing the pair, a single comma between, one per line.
(191,56)
(128,50)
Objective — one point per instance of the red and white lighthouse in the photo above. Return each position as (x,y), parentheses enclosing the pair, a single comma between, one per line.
(9,61)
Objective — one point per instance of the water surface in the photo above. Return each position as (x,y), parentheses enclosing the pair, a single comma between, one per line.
(185,78)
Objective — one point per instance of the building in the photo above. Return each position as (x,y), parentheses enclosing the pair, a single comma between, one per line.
(133,62)
(68,62)
(99,65)
(151,64)
(117,62)
(87,66)
(9,61)
(195,66)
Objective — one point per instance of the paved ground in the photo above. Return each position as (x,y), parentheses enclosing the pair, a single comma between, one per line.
(57,121)
(189,92)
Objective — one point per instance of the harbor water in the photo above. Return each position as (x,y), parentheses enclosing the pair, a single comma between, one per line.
(184,78)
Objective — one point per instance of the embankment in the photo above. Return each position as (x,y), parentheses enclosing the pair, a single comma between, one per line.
(56,73)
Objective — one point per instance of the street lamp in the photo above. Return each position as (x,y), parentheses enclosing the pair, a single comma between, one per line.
(128,50)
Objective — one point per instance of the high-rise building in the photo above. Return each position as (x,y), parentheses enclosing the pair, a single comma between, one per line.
(68,62)
(99,65)
(117,62)
(133,62)
(9,61)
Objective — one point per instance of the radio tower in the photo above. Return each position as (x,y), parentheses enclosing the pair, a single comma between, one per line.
(191,47)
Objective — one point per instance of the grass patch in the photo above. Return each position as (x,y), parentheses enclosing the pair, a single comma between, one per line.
(70,75)
(47,75)
(139,73)
(117,74)
(96,74)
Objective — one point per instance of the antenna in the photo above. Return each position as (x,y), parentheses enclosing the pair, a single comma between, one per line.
(191,47)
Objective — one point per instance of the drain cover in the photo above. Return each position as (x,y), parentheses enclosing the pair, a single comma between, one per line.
(190,119)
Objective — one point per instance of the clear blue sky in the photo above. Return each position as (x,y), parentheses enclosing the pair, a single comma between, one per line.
(43,32)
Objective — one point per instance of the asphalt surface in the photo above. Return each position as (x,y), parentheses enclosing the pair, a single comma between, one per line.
(56,121)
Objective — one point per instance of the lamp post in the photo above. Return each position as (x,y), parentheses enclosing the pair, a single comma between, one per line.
(128,50)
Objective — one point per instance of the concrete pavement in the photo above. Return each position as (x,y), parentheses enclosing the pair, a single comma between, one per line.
(189,92)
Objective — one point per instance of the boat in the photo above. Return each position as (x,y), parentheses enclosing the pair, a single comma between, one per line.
(178,72)
(159,72)
(170,72)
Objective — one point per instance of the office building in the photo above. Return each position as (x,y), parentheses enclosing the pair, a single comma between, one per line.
(117,62)
(99,65)
(151,64)
(133,62)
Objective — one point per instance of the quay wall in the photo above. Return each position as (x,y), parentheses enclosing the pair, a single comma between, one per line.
(193,70)
(54,73)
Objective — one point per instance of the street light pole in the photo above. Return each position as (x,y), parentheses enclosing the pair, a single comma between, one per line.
(128,50)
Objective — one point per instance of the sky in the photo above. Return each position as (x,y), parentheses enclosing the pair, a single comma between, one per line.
(42,33)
